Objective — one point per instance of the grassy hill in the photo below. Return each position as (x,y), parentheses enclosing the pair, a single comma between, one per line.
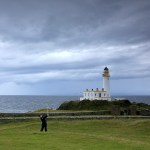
(115,106)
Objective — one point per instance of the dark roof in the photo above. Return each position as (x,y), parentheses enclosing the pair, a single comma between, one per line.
(106,68)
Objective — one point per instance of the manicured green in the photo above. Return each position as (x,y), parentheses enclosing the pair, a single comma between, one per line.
(127,134)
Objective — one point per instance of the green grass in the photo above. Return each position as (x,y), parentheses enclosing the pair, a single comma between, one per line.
(76,135)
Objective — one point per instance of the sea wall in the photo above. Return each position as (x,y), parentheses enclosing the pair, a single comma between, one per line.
(86,115)
(81,113)
(67,118)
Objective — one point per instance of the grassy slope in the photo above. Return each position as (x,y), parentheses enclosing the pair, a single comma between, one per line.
(76,135)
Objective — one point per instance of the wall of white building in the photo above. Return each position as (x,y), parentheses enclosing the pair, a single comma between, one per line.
(93,95)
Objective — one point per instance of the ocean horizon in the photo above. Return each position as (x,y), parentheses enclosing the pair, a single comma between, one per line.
(27,103)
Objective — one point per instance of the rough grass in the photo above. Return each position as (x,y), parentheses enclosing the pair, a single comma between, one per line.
(76,135)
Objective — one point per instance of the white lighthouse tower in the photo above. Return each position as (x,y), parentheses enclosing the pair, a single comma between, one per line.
(106,81)
(103,94)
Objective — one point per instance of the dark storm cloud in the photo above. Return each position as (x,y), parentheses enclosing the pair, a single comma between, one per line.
(48,37)
(75,22)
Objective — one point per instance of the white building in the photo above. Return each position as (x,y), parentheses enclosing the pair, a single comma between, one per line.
(103,94)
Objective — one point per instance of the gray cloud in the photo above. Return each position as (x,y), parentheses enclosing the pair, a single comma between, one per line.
(43,40)
(75,22)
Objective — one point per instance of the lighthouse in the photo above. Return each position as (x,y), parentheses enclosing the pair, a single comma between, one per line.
(106,81)
(99,94)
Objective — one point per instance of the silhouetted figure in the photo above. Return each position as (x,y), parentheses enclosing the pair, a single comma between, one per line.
(44,122)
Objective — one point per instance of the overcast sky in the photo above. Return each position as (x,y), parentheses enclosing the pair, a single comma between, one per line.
(60,47)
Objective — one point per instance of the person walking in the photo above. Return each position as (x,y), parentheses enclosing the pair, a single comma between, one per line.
(44,122)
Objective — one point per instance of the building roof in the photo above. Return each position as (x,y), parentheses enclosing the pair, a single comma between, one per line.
(94,91)
(106,68)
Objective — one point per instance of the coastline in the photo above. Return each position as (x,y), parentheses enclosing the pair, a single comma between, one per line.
(27,103)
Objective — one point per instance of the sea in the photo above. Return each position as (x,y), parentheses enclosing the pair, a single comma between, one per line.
(29,103)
